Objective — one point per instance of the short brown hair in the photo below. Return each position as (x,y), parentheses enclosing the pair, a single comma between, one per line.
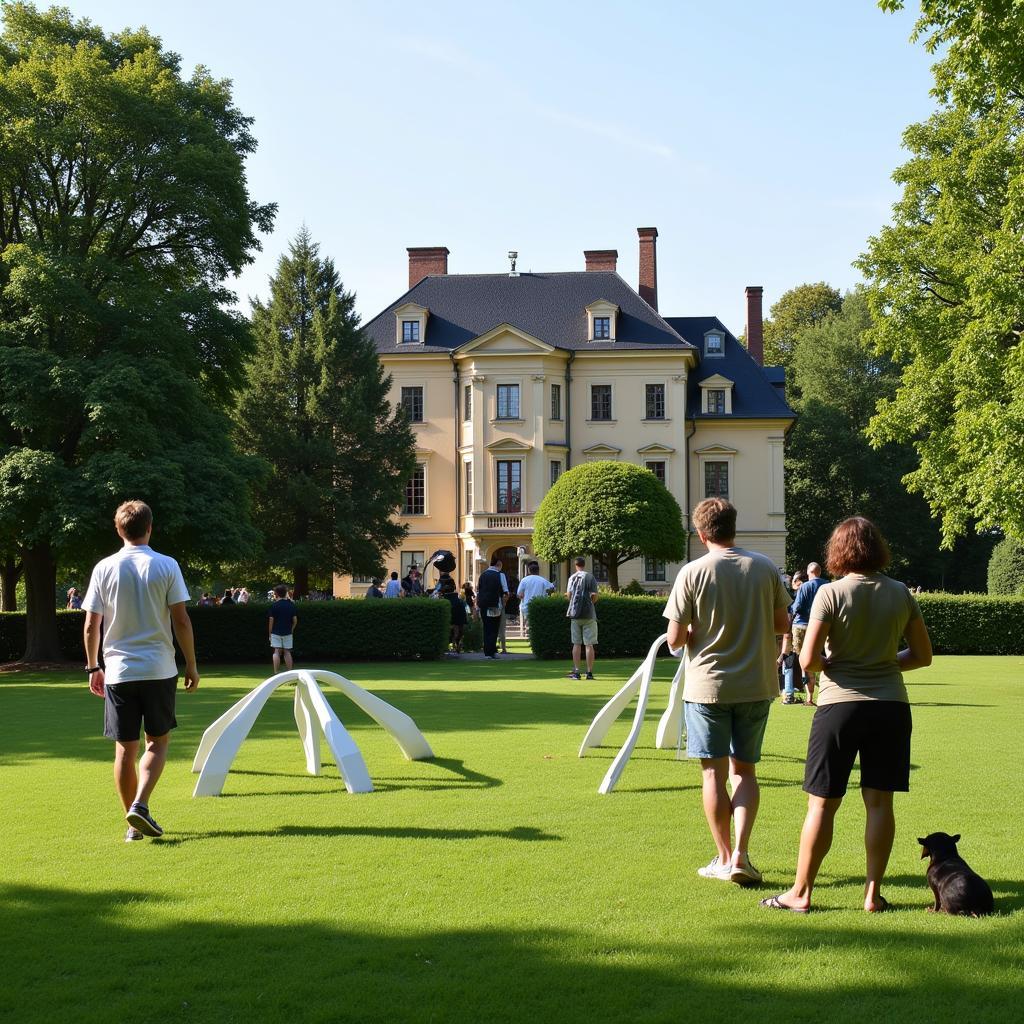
(715,518)
(856,545)
(133,519)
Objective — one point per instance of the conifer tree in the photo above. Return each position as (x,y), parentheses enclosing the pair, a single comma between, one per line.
(315,407)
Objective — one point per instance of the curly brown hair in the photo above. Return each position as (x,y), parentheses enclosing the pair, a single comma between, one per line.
(856,545)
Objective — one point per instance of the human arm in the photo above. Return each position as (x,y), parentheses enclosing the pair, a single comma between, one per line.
(182,626)
(91,636)
(811,659)
(295,622)
(918,652)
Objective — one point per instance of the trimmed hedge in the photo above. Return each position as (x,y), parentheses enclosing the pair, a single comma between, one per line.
(626,625)
(347,630)
(974,623)
(957,624)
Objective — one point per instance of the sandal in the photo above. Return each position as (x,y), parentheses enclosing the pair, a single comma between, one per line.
(774,903)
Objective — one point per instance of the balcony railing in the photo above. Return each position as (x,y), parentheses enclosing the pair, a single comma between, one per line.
(505,522)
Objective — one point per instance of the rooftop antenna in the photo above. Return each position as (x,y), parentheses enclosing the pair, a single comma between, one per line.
(513,256)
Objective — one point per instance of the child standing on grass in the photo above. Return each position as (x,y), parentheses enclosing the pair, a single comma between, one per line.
(281,625)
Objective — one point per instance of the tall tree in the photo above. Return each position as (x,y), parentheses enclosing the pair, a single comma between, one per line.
(946,275)
(315,407)
(123,210)
(801,307)
(832,470)
(614,510)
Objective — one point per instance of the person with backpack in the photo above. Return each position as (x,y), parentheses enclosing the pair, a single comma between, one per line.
(582,593)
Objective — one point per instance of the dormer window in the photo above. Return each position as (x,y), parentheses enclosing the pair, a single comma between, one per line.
(601,320)
(714,344)
(716,396)
(411,324)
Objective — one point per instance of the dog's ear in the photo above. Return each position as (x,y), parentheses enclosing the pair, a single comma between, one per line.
(956,838)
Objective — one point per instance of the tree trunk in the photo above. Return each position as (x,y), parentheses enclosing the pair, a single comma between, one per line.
(612,561)
(301,581)
(42,640)
(10,573)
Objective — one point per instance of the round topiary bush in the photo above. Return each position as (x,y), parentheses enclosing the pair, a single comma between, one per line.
(614,510)
(1006,568)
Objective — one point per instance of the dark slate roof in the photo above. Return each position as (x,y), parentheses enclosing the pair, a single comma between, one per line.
(755,393)
(550,307)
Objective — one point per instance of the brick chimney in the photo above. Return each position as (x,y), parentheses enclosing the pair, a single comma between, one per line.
(601,259)
(648,265)
(755,327)
(425,261)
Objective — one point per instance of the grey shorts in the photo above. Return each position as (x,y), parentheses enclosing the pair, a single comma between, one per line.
(583,631)
(129,705)
(726,730)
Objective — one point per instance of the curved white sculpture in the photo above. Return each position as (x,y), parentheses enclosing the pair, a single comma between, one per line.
(314,718)
(670,727)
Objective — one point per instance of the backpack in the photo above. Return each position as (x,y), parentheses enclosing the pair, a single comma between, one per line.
(579,597)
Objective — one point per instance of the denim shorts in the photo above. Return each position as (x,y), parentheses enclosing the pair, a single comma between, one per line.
(726,730)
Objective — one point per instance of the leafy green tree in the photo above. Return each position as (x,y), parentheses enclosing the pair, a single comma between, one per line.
(832,471)
(801,307)
(946,276)
(614,510)
(315,406)
(1006,568)
(123,210)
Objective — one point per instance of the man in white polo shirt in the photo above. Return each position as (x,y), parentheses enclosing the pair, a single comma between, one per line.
(135,598)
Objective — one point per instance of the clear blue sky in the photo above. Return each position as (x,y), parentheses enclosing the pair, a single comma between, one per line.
(759,138)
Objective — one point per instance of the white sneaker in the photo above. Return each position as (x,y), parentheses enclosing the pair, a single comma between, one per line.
(744,873)
(716,869)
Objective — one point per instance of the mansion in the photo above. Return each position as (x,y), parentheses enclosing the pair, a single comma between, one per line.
(511,379)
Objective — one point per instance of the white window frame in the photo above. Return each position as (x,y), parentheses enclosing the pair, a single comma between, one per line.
(420,463)
(518,418)
(590,397)
(707,349)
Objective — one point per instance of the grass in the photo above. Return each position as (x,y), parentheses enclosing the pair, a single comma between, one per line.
(493,884)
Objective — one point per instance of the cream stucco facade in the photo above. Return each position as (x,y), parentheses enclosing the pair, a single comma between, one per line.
(499,417)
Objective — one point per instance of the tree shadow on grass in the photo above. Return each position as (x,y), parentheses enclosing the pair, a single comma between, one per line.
(519,833)
(87,957)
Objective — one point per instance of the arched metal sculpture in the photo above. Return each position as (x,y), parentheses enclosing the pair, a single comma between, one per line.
(670,727)
(314,718)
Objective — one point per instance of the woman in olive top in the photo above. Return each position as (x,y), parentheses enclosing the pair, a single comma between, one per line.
(863,708)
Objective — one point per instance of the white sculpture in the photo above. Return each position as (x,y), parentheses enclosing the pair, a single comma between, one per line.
(314,718)
(670,727)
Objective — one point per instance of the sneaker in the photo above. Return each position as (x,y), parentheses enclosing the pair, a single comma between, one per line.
(788,700)
(139,817)
(133,835)
(716,869)
(590,675)
(574,674)
(744,873)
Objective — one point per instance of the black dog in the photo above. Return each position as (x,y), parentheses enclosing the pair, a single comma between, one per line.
(957,889)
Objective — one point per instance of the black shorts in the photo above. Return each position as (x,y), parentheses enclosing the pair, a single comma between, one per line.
(878,730)
(126,705)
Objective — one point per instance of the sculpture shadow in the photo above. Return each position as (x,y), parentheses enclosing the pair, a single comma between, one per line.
(518,833)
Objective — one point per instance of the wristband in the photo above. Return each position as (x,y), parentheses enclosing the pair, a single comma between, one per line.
(89,671)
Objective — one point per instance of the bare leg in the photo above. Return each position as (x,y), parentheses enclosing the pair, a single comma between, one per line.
(717,805)
(152,765)
(590,657)
(277,661)
(746,798)
(126,776)
(879,832)
(815,842)
(576,652)
(288,663)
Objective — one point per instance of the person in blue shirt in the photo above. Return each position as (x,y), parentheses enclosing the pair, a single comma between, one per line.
(281,625)
(802,617)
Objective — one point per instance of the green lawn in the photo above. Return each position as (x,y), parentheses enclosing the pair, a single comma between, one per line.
(493,884)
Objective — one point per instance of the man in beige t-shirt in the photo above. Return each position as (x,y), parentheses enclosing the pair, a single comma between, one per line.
(727,608)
